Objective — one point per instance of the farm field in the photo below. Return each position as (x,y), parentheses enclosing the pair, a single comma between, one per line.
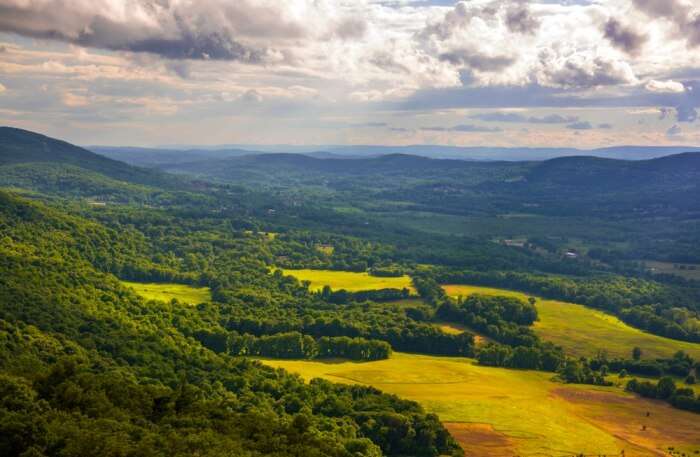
(350,281)
(168,291)
(582,331)
(499,412)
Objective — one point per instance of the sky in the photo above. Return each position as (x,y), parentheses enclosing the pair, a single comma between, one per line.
(581,73)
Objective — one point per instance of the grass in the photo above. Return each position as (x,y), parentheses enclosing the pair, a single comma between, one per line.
(168,291)
(582,331)
(350,281)
(499,412)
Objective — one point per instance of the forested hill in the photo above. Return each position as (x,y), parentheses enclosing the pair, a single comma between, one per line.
(680,170)
(18,147)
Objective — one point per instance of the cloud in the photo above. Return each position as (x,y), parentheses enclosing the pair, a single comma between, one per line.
(202,30)
(464,128)
(622,37)
(674,131)
(351,29)
(2,89)
(583,70)
(477,61)
(681,14)
(520,20)
(686,113)
(584,125)
(369,124)
(522,119)
(665,86)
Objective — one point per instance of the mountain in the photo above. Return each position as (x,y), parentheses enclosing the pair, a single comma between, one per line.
(151,158)
(183,154)
(19,146)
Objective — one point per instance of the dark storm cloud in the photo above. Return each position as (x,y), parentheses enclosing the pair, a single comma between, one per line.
(625,38)
(522,119)
(477,61)
(198,30)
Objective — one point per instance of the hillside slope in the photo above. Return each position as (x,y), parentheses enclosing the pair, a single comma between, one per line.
(19,146)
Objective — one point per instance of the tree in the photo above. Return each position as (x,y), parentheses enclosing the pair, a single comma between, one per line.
(665,388)
(637,353)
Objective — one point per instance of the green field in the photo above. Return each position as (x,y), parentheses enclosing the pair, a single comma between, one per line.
(499,412)
(583,331)
(167,292)
(350,281)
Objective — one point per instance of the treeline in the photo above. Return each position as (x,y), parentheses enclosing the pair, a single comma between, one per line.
(652,306)
(681,365)
(342,296)
(666,389)
(294,345)
(505,319)
(398,330)
(542,356)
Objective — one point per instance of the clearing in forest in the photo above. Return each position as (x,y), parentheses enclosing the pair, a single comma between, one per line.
(583,331)
(168,291)
(501,412)
(350,281)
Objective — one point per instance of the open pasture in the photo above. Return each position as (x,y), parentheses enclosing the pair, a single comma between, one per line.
(168,291)
(500,412)
(348,280)
(582,331)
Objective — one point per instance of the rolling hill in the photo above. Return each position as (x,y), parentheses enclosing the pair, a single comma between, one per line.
(19,146)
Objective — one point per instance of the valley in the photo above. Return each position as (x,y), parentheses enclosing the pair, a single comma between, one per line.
(178,286)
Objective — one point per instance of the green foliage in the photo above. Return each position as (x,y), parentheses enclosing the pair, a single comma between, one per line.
(88,366)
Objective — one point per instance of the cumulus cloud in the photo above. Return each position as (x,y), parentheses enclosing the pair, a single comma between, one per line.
(665,86)
(477,61)
(214,29)
(522,119)
(622,37)
(685,17)
(583,70)
(520,20)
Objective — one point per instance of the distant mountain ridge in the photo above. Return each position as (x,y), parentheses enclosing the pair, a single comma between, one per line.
(155,156)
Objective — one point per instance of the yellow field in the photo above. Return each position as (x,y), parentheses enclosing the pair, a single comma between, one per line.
(350,281)
(582,331)
(498,412)
(166,292)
